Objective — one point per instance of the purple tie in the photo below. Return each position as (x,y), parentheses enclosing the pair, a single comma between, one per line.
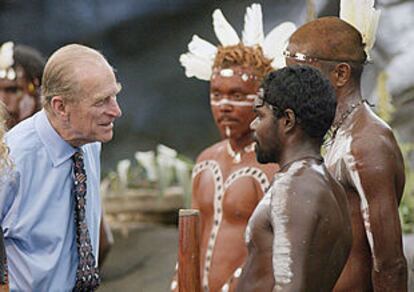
(87,274)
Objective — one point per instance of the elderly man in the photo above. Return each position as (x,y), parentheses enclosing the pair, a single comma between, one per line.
(228,182)
(299,235)
(51,225)
(362,154)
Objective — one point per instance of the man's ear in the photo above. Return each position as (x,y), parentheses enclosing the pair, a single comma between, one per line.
(290,120)
(341,74)
(58,106)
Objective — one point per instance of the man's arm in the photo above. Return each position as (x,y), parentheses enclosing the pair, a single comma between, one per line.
(377,173)
(293,224)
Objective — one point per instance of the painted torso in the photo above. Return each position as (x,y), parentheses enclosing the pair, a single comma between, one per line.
(345,164)
(226,194)
(272,233)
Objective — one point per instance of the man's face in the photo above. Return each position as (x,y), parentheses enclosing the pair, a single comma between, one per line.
(266,133)
(91,118)
(11,92)
(231,99)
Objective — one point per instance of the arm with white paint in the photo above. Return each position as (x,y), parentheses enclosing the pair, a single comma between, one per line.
(376,171)
(293,229)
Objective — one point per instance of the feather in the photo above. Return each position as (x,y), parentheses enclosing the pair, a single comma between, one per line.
(276,41)
(224,31)
(202,48)
(6,55)
(364,17)
(253,26)
(196,66)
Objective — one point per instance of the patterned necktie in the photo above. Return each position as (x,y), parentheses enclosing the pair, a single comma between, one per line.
(87,275)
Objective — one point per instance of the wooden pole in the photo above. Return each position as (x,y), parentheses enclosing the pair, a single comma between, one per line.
(189,251)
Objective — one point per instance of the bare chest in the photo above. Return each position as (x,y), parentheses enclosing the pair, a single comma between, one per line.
(233,193)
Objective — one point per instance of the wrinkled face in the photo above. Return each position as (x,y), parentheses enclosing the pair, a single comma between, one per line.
(91,118)
(231,98)
(266,133)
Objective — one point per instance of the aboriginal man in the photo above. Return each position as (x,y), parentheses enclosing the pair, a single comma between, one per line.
(362,154)
(299,235)
(228,182)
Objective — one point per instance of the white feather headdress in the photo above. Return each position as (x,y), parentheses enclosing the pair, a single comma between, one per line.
(363,16)
(7,61)
(199,59)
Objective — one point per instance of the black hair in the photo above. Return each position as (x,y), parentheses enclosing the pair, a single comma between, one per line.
(305,91)
(30,60)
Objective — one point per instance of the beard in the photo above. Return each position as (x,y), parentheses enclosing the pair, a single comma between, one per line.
(263,156)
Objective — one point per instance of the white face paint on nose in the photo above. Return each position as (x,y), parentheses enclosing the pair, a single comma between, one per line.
(254,124)
(226,101)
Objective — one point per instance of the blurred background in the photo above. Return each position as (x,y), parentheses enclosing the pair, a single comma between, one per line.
(143,40)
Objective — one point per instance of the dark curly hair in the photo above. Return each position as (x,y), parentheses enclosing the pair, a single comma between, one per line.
(307,93)
(30,60)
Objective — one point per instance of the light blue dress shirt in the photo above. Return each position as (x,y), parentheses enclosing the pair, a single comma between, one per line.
(37,210)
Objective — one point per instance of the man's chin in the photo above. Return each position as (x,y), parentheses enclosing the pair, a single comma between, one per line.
(106,137)
(261,157)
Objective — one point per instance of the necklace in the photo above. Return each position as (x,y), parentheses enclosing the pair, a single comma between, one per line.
(336,126)
(284,166)
(237,155)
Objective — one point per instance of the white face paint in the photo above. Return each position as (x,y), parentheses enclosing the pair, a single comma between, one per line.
(228,132)
(226,101)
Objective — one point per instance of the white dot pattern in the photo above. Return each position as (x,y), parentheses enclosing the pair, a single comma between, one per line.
(219,191)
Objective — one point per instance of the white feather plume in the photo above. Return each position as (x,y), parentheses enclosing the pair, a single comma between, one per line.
(202,48)
(199,60)
(276,41)
(224,31)
(196,66)
(364,17)
(6,55)
(253,26)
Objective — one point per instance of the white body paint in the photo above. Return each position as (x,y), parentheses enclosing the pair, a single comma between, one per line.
(282,259)
(339,157)
(220,188)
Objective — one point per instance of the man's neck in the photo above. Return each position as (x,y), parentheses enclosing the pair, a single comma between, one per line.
(299,150)
(238,144)
(63,132)
(345,98)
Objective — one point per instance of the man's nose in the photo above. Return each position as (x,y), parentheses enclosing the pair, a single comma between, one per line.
(254,123)
(115,109)
(225,106)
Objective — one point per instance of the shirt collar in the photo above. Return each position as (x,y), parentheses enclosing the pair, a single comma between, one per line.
(58,149)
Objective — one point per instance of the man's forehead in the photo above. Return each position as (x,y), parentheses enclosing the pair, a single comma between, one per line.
(7,83)
(234,77)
